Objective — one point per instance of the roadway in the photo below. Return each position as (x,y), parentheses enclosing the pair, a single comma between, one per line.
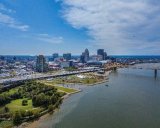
(43,76)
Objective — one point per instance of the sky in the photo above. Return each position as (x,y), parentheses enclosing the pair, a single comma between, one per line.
(121,27)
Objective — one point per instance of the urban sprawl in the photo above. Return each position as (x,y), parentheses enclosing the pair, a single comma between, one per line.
(18,67)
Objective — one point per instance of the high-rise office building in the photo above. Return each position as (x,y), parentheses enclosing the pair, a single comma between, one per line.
(102,53)
(55,55)
(85,56)
(105,55)
(41,65)
(82,58)
(67,56)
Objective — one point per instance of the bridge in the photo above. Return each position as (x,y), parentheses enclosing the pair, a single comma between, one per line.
(154,68)
(114,66)
(151,66)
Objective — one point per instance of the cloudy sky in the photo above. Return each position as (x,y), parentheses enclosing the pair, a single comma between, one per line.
(121,27)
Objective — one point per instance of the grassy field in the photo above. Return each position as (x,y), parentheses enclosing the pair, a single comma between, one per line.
(6,124)
(17,105)
(89,78)
(67,90)
(73,80)
(11,91)
(60,88)
(32,99)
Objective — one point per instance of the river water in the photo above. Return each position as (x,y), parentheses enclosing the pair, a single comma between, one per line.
(131,100)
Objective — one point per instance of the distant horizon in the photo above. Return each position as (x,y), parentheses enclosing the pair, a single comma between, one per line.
(60,55)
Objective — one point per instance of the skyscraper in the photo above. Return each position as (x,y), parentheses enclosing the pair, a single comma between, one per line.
(86,55)
(67,56)
(102,53)
(105,55)
(82,58)
(41,65)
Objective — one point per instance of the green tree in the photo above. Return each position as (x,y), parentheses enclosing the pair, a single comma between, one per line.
(29,113)
(6,109)
(50,108)
(24,102)
(54,99)
(23,113)
(17,118)
(1,87)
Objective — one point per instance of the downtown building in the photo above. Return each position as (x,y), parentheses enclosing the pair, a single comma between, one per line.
(85,56)
(67,56)
(101,52)
(54,56)
(41,65)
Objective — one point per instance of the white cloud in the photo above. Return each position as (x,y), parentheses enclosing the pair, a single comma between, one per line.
(7,20)
(119,26)
(50,39)
(11,22)
(3,8)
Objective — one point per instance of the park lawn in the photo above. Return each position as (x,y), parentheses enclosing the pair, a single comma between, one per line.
(11,91)
(6,124)
(67,90)
(90,78)
(89,81)
(60,88)
(17,105)
(67,80)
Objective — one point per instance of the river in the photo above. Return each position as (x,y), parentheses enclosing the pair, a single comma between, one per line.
(131,100)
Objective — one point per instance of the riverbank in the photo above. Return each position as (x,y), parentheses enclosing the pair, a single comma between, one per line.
(35,123)
(78,87)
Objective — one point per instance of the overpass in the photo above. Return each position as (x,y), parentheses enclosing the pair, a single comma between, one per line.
(11,81)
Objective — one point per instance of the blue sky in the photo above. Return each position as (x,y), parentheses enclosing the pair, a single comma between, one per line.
(121,27)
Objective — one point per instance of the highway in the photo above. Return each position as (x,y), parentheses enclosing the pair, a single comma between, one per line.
(43,76)
(37,76)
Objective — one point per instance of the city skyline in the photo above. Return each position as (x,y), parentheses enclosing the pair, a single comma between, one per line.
(47,26)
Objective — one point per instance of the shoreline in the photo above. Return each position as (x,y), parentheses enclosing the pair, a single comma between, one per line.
(35,123)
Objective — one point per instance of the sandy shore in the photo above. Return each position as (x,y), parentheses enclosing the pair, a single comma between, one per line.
(35,123)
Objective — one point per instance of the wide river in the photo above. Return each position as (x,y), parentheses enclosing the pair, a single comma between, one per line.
(131,100)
